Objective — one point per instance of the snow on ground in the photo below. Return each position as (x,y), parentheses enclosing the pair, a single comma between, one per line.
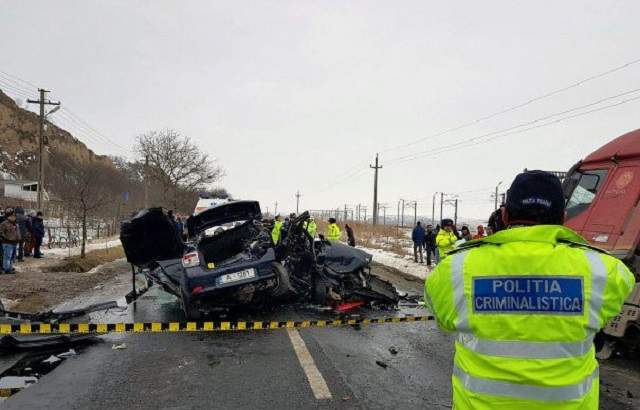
(405,265)
(98,244)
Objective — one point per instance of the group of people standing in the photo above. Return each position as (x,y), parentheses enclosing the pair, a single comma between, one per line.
(442,239)
(333,233)
(21,235)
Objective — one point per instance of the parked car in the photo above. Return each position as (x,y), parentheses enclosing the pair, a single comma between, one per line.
(229,260)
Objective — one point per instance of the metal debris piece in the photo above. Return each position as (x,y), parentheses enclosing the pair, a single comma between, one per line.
(382,364)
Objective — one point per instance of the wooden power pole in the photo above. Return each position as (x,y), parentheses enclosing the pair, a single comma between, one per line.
(297,202)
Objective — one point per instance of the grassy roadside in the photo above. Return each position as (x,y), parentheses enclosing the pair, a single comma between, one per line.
(385,237)
(91,260)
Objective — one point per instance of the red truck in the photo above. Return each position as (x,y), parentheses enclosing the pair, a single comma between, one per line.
(603,205)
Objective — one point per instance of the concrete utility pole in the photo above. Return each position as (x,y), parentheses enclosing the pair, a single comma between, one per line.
(384,212)
(402,220)
(433,209)
(496,198)
(275,208)
(455,213)
(441,204)
(297,202)
(41,143)
(375,190)
(364,208)
(415,212)
(146,181)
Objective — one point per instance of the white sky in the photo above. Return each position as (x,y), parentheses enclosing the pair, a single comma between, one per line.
(295,95)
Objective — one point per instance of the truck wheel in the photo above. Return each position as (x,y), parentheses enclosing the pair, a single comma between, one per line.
(284,284)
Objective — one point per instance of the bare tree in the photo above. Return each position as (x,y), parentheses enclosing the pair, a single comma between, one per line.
(176,163)
(86,188)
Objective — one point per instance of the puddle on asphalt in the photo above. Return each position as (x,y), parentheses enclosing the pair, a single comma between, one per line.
(30,368)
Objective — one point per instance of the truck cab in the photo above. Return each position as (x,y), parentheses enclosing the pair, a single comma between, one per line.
(602,195)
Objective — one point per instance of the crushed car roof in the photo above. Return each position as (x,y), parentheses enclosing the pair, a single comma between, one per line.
(222,214)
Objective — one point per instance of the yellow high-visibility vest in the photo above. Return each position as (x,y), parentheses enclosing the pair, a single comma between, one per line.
(525,304)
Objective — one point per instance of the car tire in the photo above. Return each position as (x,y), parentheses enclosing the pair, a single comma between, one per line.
(283,288)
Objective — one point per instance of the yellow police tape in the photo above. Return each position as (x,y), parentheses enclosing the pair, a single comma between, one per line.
(158,327)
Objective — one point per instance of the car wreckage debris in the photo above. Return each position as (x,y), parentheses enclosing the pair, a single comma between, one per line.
(230,260)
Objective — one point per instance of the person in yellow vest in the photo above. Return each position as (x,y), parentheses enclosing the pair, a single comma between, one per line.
(446,238)
(277,228)
(525,304)
(311,227)
(333,230)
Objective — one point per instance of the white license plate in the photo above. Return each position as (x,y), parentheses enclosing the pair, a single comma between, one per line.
(236,276)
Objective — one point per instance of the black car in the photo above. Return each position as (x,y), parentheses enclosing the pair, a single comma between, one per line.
(229,259)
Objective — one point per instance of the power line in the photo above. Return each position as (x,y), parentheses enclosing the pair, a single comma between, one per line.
(459,145)
(20,80)
(20,86)
(517,106)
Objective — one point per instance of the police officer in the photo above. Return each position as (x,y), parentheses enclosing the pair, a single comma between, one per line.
(277,229)
(311,227)
(333,230)
(446,238)
(526,303)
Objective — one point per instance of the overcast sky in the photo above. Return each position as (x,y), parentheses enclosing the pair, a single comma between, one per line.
(292,95)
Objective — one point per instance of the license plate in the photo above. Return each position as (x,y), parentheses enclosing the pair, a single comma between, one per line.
(236,276)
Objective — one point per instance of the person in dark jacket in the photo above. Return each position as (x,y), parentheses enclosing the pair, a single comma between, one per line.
(37,226)
(351,239)
(24,225)
(9,236)
(417,236)
(430,244)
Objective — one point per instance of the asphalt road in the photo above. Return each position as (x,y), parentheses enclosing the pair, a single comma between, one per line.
(310,368)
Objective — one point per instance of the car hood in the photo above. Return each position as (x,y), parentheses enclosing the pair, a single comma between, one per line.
(222,214)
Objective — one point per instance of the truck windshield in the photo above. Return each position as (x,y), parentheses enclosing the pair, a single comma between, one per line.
(586,189)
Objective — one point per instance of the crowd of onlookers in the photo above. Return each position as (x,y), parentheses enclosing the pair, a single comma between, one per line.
(442,239)
(21,235)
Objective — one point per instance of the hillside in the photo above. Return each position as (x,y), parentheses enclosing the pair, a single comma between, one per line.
(19,141)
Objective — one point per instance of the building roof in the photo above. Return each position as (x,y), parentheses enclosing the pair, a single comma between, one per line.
(17,181)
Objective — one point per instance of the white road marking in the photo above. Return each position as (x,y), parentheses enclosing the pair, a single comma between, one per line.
(316,381)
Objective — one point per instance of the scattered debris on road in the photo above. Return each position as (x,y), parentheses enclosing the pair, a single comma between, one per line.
(119,346)
(382,364)
(393,350)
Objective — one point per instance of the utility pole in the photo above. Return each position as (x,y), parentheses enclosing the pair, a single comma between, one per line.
(275,208)
(298,202)
(384,212)
(398,217)
(41,143)
(455,213)
(146,181)
(415,212)
(496,198)
(441,204)
(402,220)
(345,212)
(364,208)
(375,191)
(433,209)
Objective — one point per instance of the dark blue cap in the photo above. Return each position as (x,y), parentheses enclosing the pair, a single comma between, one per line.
(536,196)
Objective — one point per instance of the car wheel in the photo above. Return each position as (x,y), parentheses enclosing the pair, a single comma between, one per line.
(284,284)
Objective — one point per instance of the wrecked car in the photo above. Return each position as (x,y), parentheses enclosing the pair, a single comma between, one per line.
(230,259)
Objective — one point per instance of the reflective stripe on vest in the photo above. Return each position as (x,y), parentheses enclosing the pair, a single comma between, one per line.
(525,350)
(457,276)
(598,282)
(525,391)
